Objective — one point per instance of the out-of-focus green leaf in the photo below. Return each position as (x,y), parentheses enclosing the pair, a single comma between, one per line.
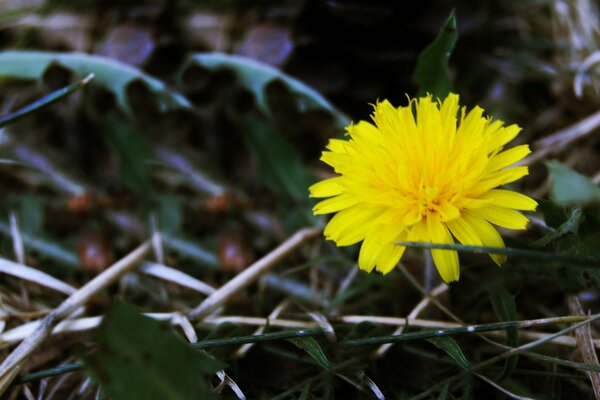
(571,188)
(449,345)
(132,152)
(31,214)
(280,167)
(170,213)
(110,74)
(281,170)
(505,307)
(431,72)
(255,76)
(312,347)
(137,358)
(444,393)
(44,101)
(554,214)
(305,393)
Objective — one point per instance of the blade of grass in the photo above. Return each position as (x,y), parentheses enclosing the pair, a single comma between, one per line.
(45,101)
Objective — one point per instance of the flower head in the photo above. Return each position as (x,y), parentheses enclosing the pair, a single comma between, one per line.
(427,172)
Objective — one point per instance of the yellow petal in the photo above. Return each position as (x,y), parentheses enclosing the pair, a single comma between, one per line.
(503,136)
(487,233)
(463,232)
(369,251)
(418,232)
(446,261)
(502,216)
(334,204)
(351,225)
(508,198)
(327,188)
(389,257)
(508,157)
(448,211)
(502,177)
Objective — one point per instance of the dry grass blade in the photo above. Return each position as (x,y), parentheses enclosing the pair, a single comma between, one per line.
(560,140)
(252,273)
(11,366)
(585,343)
(34,275)
(501,389)
(172,275)
(18,246)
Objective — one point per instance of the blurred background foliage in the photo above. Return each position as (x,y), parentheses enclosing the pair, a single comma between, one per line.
(205,121)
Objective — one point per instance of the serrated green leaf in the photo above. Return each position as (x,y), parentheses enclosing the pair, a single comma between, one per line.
(431,73)
(139,358)
(505,307)
(255,76)
(570,226)
(451,347)
(110,74)
(43,102)
(570,187)
(312,347)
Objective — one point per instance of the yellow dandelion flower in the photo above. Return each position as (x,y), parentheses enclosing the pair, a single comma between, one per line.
(422,173)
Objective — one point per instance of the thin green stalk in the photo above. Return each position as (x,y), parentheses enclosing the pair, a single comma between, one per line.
(76,366)
(432,334)
(45,101)
(508,251)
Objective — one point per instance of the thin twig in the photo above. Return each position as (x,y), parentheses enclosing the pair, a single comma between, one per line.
(252,273)
(11,366)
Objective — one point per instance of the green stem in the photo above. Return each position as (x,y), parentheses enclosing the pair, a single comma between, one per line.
(508,251)
(76,366)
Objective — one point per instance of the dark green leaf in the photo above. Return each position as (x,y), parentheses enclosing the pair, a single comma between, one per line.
(451,348)
(255,76)
(570,187)
(44,101)
(505,307)
(110,74)
(139,358)
(281,170)
(312,347)
(554,214)
(431,73)
(444,393)
(132,152)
